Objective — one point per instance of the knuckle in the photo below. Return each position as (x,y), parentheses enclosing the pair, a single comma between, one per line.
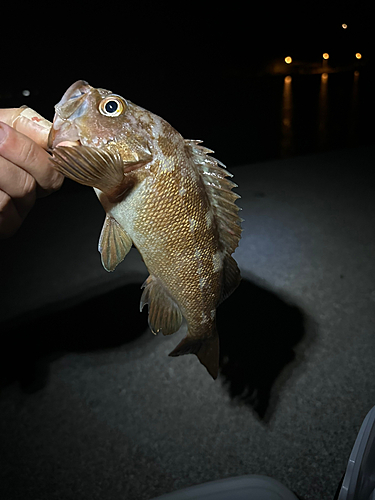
(5,139)
(56,181)
(29,184)
(28,153)
(52,182)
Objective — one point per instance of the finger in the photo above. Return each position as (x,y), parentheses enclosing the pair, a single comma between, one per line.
(28,122)
(25,153)
(19,185)
(10,219)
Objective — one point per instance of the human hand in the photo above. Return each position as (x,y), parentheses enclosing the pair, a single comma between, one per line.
(26,172)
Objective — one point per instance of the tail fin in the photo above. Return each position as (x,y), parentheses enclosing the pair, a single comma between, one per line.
(207,351)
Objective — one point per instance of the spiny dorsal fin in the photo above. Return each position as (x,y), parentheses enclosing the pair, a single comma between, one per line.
(164,315)
(114,244)
(220,194)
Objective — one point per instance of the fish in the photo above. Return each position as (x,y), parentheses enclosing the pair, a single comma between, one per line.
(165,195)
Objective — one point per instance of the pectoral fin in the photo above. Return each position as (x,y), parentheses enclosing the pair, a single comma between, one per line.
(164,315)
(103,169)
(114,243)
(89,166)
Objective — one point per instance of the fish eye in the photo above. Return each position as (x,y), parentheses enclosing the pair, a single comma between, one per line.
(112,106)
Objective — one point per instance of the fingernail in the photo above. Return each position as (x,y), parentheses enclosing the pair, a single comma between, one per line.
(35,117)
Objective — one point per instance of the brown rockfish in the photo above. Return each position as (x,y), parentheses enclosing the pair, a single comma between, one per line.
(163,194)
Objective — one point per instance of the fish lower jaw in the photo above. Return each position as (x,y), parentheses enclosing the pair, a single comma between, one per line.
(68,143)
(62,133)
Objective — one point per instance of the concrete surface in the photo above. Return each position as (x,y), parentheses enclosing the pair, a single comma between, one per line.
(91,406)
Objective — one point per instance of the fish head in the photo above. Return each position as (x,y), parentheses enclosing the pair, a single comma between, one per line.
(98,118)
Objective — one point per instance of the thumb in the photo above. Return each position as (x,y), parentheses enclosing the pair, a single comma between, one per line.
(28,122)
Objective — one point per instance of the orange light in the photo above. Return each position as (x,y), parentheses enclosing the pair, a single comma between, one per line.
(325,55)
(324,76)
(288,59)
(344,26)
(288,79)
(358,55)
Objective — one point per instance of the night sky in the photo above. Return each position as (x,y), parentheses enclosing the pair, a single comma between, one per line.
(197,67)
(140,46)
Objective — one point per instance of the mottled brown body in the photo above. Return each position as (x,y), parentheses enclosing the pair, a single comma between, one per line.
(175,231)
(170,199)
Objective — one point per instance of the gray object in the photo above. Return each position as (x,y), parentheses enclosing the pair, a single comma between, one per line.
(359,479)
(251,487)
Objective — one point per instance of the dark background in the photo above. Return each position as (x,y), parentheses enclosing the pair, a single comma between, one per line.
(202,68)
(101,412)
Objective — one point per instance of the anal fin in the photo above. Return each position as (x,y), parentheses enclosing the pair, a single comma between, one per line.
(164,315)
(114,243)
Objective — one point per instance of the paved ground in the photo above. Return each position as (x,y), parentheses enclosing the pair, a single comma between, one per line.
(92,407)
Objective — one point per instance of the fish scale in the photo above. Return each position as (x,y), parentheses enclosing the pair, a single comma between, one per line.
(176,241)
(165,195)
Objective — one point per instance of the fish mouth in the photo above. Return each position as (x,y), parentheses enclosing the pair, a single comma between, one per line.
(68,109)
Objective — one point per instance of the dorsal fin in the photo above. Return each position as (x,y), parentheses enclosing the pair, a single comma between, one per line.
(220,194)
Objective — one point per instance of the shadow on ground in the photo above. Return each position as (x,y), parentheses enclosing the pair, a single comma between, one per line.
(103,322)
(258,330)
(259,334)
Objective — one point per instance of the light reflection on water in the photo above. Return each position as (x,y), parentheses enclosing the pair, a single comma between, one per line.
(286,141)
(332,118)
(248,118)
(322,112)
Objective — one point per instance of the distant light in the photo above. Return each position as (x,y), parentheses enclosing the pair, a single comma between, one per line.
(26,93)
(288,79)
(344,26)
(324,76)
(288,59)
(325,55)
(356,73)
(358,55)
